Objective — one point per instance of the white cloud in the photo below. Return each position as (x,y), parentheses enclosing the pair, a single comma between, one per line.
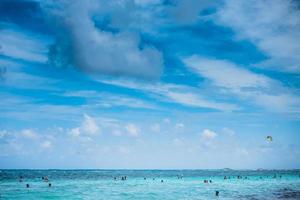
(208,134)
(273,26)
(286,103)
(89,125)
(27,141)
(13,73)
(226,74)
(30,134)
(132,130)
(105,99)
(21,45)
(75,132)
(3,133)
(46,144)
(19,79)
(174,93)
(90,128)
(192,99)
(131,102)
(247,85)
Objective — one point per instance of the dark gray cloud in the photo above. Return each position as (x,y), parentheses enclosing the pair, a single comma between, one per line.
(82,44)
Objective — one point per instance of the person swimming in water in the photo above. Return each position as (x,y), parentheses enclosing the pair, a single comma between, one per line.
(45,179)
(217,193)
(49,185)
(27,185)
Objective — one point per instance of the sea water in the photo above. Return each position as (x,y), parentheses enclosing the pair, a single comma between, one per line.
(150,184)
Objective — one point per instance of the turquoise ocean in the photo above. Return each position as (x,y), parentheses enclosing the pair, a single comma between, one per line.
(150,184)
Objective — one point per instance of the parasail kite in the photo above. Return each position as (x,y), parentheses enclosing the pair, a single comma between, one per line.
(269,138)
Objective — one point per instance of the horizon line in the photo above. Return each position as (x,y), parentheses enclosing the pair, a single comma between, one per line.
(162,169)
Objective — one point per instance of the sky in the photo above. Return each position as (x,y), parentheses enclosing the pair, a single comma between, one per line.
(150,84)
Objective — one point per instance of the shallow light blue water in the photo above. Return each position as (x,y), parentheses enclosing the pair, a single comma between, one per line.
(100,184)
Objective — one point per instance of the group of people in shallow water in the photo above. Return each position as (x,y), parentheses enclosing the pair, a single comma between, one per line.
(207,181)
(238,177)
(245,177)
(124,178)
(44,178)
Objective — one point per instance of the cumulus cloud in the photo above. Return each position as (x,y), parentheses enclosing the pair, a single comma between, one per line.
(3,133)
(132,130)
(75,132)
(46,144)
(273,26)
(26,141)
(208,134)
(91,127)
(88,127)
(30,134)
(95,50)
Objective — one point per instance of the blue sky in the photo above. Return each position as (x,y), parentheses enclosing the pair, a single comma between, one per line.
(149,84)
